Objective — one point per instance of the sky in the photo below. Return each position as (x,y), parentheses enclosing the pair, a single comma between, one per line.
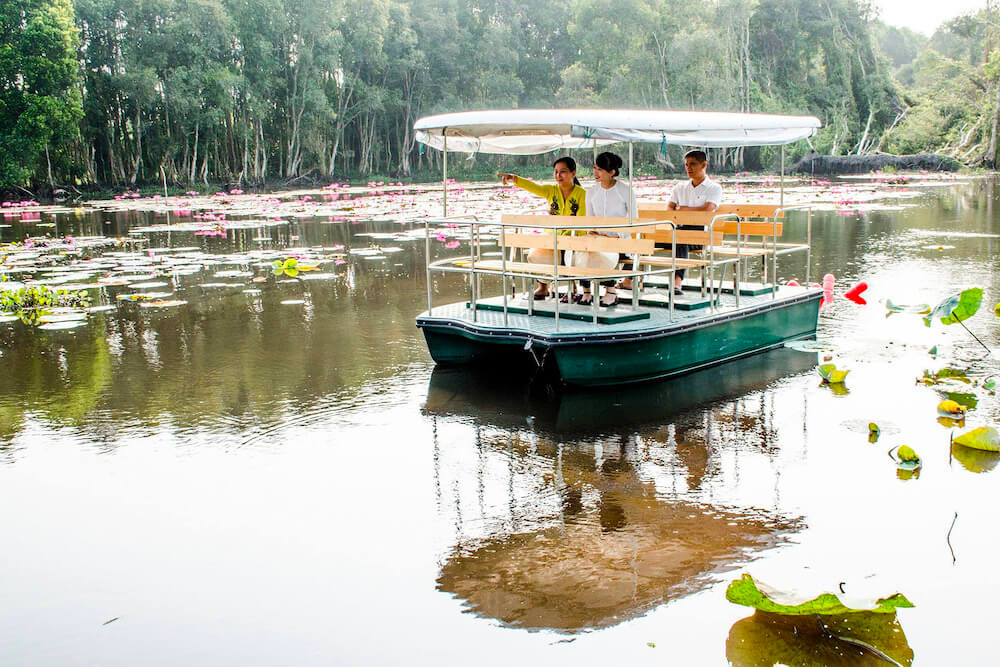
(924,15)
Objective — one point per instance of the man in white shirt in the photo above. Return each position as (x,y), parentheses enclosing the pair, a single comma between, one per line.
(700,193)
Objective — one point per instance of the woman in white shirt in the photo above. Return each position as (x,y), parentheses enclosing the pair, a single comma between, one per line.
(609,197)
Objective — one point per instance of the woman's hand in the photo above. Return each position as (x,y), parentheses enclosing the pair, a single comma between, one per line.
(507,179)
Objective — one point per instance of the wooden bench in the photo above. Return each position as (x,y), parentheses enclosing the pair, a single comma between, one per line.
(547,240)
(754,234)
(579,240)
(755,220)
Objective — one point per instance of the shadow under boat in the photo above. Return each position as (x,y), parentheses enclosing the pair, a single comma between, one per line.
(496,399)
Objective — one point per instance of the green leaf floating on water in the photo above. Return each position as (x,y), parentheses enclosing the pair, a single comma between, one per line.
(985,438)
(957,307)
(750,593)
(830,374)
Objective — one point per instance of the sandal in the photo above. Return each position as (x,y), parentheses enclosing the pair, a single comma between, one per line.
(609,304)
(586,300)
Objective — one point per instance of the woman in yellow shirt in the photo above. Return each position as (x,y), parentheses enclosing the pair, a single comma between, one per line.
(566,197)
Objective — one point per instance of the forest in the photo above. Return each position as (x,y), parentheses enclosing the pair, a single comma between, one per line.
(120,93)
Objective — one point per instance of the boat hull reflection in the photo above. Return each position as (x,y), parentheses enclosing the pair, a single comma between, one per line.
(493,399)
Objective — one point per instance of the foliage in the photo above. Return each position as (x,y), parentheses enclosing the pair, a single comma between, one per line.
(950,89)
(40,105)
(255,91)
(32,303)
(957,307)
(831,374)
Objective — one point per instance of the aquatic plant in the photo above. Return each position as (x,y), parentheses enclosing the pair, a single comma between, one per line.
(748,592)
(957,307)
(950,408)
(831,375)
(905,457)
(873,432)
(290,267)
(985,438)
(33,302)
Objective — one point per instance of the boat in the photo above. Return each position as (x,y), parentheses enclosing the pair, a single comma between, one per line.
(653,335)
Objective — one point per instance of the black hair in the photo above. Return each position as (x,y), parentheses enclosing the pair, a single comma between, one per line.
(700,156)
(570,164)
(609,162)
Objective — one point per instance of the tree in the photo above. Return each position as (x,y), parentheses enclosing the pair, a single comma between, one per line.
(40,101)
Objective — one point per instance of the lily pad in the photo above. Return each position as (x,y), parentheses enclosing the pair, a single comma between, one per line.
(748,592)
(957,307)
(809,346)
(59,326)
(162,303)
(950,408)
(830,374)
(905,458)
(148,296)
(921,308)
(51,318)
(985,438)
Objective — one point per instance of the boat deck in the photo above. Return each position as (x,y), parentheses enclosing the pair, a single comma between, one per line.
(575,320)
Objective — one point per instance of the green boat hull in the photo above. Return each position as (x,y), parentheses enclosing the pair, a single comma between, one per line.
(633,356)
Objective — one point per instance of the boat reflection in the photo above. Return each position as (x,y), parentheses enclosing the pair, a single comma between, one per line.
(495,400)
(561,527)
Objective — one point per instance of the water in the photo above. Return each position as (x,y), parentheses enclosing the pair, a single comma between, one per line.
(236,480)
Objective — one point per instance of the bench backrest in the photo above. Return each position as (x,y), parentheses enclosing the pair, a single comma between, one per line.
(659,211)
(752,210)
(688,236)
(589,243)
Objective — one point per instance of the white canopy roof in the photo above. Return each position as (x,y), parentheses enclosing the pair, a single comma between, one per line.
(530,131)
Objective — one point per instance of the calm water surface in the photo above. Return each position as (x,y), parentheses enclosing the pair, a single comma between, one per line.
(242,481)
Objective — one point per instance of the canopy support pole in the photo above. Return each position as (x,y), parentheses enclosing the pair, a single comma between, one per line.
(444,178)
(635,257)
(781,182)
(774,238)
